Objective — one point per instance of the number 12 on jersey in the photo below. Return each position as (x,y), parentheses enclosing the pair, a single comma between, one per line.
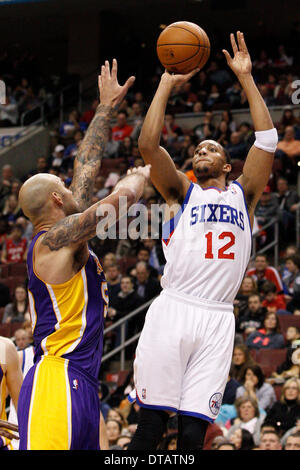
(223,251)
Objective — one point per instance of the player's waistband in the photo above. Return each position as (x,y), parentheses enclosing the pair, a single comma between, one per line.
(206,304)
(71,366)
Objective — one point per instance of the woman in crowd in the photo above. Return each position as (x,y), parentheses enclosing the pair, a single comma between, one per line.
(242,439)
(241,360)
(116,414)
(268,337)
(113,431)
(249,418)
(254,386)
(286,411)
(18,310)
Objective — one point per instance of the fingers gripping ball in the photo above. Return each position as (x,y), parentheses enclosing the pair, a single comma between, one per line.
(183,47)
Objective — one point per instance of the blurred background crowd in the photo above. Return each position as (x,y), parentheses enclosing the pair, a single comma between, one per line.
(261,405)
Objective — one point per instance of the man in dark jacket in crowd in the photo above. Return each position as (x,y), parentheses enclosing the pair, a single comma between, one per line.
(253,317)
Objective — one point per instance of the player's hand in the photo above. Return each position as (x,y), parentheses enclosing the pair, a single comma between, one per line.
(141,170)
(240,64)
(111,93)
(177,79)
(6,429)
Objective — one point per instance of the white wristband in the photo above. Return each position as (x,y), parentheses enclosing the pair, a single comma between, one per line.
(266,140)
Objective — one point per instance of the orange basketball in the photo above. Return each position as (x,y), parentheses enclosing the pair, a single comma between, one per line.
(183,47)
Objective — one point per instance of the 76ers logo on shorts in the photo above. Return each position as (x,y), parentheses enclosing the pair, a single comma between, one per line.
(143,393)
(215,403)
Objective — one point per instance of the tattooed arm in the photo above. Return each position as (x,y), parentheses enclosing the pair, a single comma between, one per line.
(88,159)
(76,229)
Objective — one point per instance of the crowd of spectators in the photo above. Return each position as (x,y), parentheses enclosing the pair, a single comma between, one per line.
(26,86)
(252,416)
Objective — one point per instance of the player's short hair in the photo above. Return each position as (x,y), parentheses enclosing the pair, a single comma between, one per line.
(227,155)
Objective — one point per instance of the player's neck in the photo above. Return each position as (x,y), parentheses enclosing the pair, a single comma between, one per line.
(213,182)
(45,225)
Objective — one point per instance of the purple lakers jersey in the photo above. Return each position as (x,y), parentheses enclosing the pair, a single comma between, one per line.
(68,319)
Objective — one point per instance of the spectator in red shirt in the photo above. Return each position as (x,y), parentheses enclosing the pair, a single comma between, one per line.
(262,272)
(15,247)
(121,129)
(272,301)
(90,113)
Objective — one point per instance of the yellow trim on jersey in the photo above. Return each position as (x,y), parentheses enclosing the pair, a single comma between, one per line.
(50,414)
(69,302)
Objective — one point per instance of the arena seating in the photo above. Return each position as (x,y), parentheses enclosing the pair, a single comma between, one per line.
(8,330)
(269,359)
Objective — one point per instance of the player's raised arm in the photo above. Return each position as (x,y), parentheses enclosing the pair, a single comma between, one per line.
(79,228)
(169,182)
(88,159)
(258,165)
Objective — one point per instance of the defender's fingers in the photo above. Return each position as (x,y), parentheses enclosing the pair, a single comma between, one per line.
(233,43)
(243,44)
(114,69)
(107,69)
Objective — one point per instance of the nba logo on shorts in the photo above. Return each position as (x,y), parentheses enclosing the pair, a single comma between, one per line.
(75,384)
(143,393)
(215,403)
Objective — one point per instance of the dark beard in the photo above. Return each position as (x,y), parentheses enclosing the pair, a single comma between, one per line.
(205,174)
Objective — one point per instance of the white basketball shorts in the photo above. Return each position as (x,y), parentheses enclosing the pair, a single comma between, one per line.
(184,355)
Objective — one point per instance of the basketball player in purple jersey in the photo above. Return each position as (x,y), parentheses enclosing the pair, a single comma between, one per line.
(184,352)
(59,404)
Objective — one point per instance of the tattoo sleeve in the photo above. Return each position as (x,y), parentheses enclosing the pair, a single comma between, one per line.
(79,228)
(73,229)
(88,159)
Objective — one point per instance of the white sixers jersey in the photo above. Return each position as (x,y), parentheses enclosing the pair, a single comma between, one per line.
(207,244)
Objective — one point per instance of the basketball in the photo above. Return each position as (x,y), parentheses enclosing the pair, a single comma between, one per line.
(183,47)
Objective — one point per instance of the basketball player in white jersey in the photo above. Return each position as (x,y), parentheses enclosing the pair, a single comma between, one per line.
(185,349)
(26,357)
(10,383)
